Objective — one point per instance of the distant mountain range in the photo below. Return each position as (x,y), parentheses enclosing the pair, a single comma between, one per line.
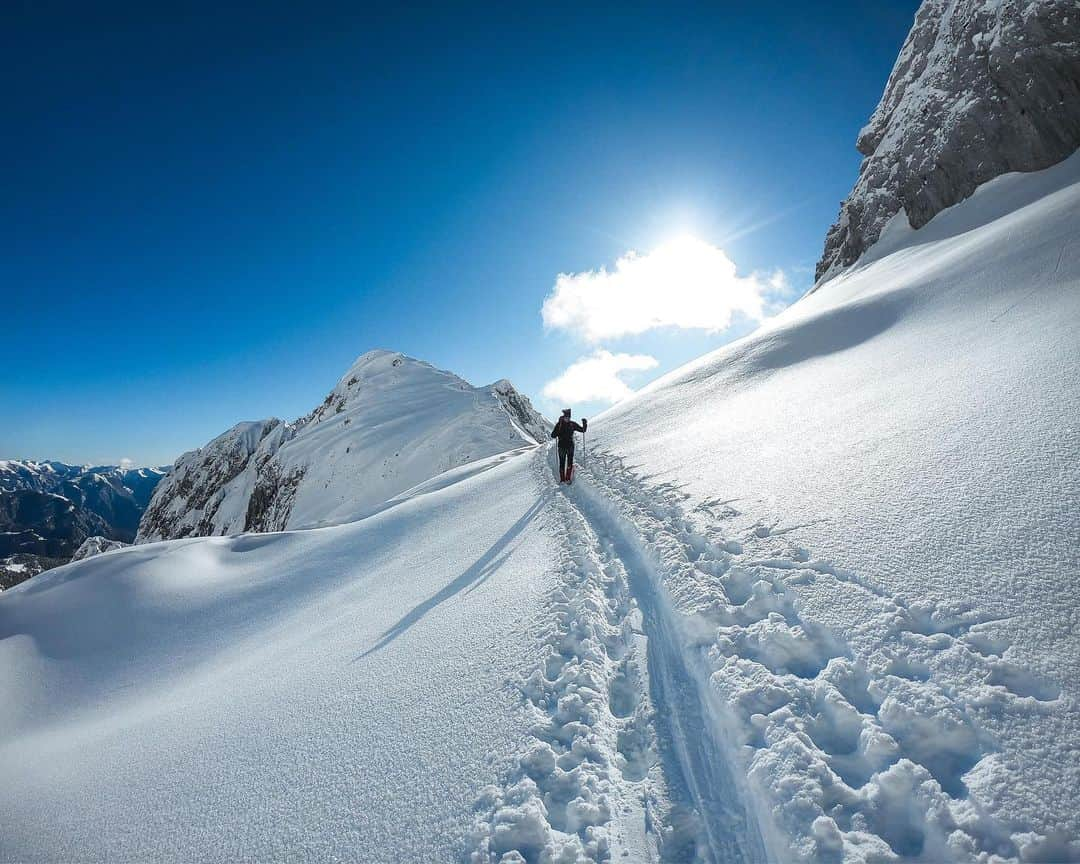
(48,509)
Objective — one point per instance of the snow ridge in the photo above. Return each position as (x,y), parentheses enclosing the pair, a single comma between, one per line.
(390,423)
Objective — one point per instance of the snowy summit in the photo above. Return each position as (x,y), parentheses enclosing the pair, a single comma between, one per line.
(390,422)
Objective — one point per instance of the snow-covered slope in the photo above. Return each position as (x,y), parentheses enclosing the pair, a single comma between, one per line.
(981,88)
(333,694)
(390,423)
(461,676)
(863,520)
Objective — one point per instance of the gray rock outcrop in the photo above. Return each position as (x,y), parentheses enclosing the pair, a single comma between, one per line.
(981,88)
(193,500)
(98,545)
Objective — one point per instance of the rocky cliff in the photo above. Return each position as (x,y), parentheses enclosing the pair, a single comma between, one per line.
(96,546)
(981,88)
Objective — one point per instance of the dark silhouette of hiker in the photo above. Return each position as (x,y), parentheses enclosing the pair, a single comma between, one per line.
(564,430)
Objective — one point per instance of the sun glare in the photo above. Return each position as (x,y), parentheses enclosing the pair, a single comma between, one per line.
(683,258)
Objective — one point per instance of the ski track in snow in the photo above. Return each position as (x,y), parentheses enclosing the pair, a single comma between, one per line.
(679,689)
(600,777)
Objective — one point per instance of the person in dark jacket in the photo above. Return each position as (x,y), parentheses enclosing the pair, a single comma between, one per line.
(564,430)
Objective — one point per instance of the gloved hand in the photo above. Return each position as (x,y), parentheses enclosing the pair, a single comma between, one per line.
(584,424)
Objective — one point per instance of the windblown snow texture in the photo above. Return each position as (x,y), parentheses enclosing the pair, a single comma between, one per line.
(390,423)
(981,88)
(334,695)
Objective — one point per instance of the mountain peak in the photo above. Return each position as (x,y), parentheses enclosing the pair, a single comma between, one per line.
(390,423)
(386,368)
(377,358)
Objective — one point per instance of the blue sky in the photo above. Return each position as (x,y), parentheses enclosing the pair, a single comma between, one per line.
(209,213)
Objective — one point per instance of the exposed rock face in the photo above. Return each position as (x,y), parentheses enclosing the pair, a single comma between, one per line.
(520,410)
(95,546)
(272,498)
(389,424)
(194,500)
(44,523)
(981,88)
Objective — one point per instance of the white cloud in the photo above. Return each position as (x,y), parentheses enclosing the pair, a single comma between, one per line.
(686,283)
(127,463)
(596,378)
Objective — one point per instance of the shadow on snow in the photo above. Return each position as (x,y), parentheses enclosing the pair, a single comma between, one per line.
(472,578)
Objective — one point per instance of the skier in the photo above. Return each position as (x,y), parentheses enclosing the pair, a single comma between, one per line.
(564,430)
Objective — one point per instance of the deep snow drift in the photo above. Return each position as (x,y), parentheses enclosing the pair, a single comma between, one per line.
(330,694)
(461,676)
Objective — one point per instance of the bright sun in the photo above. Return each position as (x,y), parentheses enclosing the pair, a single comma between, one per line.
(684,258)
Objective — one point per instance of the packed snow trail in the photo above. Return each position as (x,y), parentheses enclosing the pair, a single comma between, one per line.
(853,759)
(853,532)
(683,708)
(620,763)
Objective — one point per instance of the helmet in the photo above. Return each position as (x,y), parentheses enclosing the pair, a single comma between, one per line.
(565,412)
